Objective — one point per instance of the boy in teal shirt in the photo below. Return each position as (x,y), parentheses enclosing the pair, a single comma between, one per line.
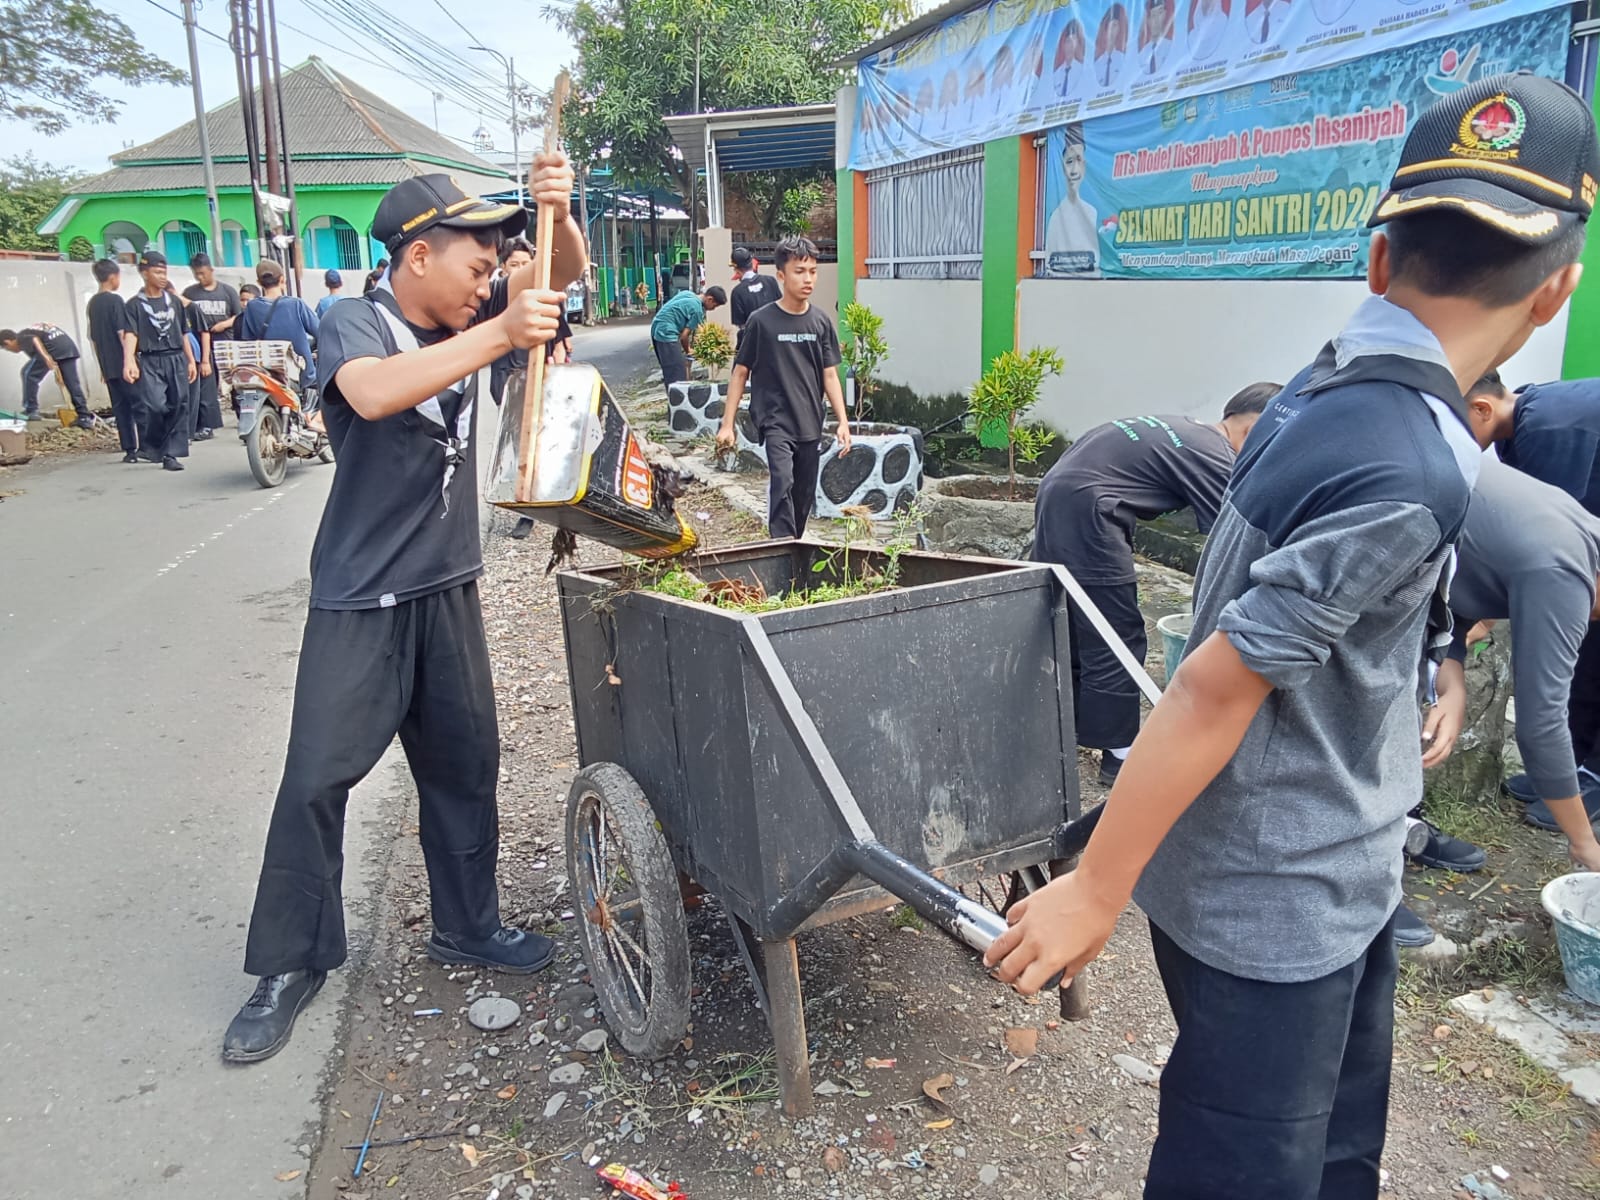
(674,325)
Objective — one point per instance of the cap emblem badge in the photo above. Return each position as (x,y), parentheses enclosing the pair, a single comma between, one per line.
(1492,129)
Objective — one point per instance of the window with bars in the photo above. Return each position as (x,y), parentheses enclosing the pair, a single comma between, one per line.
(925,218)
(1041,160)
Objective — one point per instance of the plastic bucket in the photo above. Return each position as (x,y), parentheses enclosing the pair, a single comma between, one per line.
(1174,630)
(1573,902)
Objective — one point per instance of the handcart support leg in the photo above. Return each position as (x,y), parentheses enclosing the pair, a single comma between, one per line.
(1075,996)
(749,948)
(787,1016)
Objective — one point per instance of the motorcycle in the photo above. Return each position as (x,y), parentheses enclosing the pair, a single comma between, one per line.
(268,390)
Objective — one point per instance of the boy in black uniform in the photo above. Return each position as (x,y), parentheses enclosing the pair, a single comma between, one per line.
(1084,518)
(220,305)
(157,361)
(108,321)
(792,349)
(1260,817)
(752,290)
(394,641)
(48,349)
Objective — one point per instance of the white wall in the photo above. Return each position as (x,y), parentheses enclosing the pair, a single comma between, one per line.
(1134,346)
(58,292)
(934,330)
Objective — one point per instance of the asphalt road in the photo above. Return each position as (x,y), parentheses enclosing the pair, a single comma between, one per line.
(151,626)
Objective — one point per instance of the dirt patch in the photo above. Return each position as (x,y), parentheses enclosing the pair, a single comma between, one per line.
(922,1092)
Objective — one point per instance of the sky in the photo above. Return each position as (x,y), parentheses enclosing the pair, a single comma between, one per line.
(532,40)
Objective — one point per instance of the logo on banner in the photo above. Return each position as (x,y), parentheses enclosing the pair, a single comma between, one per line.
(1492,128)
(1454,71)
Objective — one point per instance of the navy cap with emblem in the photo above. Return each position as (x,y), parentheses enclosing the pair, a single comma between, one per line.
(152,258)
(1516,152)
(424,202)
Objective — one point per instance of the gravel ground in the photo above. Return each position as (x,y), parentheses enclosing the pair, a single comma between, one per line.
(1028,1106)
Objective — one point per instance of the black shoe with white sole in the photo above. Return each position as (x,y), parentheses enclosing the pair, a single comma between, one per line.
(1446,853)
(1520,787)
(262,1027)
(1411,930)
(1110,768)
(506,949)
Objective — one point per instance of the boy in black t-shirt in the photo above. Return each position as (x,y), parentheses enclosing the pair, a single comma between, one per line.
(47,349)
(792,349)
(108,321)
(394,641)
(220,305)
(157,360)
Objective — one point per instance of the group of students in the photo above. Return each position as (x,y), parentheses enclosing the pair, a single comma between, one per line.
(1259,815)
(787,357)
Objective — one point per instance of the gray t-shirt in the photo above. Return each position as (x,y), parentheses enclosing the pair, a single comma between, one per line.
(1529,552)
(1118,474)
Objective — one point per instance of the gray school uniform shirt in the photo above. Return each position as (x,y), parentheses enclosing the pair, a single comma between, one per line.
(1529,552)
(1322,570)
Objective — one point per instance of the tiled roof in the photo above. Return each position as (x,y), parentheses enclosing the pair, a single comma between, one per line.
(325,115)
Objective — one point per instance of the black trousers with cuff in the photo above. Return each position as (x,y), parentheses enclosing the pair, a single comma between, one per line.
(34,372)
(208,412)
(674,363)
(1274,1090)
(127,409)
(792,464)
(164,388)
(1583,703)
(421,670)
(1104,697)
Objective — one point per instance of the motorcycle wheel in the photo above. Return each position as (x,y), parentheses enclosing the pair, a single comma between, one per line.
(268,452)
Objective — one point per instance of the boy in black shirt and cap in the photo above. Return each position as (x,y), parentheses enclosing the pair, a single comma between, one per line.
(1084,518)
(48,349)
(108,321)
(157,360)
(792,350)
(751,289)
(394,641)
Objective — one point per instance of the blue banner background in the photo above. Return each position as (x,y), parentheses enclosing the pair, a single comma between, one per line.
(1266,208)
(1018,65)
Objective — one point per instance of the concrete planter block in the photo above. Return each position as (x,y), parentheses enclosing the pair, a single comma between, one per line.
(959,518)
(695,409)
(882,473)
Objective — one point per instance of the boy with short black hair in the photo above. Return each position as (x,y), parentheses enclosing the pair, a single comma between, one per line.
(751,289)
(792,350)
(157,360)
(47,349)
(108,321)
(219,306)
(1261,811)
(394,642)
(672,330)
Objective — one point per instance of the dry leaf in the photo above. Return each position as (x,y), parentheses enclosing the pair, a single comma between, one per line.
(1022,1042)
(1129,1037)
(391,1181)
(944,1124)
(287,1176)
(1016,1064)
(931,1088)
(1441,1032)
(880,1064)
(470,1153)
(833,1160)
(507,1093)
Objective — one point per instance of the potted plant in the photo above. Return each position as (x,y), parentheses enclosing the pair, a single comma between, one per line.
(713,348)
(979,514)
(863,347)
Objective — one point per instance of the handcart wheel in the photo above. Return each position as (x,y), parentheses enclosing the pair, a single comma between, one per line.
(630,911)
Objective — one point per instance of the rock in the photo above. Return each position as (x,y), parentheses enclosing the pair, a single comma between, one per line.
(410,998)
(1500,1173)
(474,1130)
(1137,1068)
(567,1074)
(466,1069)
(989,1175)
(833,1160)
(594,1041)
(1482,1190)
(493,1012)
(792,1173)
(554,1105)
(958,524)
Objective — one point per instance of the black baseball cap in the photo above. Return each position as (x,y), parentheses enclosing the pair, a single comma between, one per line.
(1516,152)
(152,258)
(742,258)
(423,202)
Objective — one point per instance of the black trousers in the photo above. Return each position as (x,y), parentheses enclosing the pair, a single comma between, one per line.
(499,372)
(1104,698)
(792,485)
(419,669)
(1274,1089)
(1583,703)
(34,372)
(674,366)
(127,411)
(208,410)
(164,388)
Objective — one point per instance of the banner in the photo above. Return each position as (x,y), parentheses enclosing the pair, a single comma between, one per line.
(1274,180)
(1017,65)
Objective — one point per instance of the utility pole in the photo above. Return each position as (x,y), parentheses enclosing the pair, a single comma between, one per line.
(239,39)
(269,109)
(516,148)
(583,223)
(437,96)
(295,255)
(205,136)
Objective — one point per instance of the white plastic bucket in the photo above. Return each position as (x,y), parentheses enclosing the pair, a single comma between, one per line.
(1573,902)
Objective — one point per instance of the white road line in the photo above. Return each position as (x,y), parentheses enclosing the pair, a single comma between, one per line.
(199,546)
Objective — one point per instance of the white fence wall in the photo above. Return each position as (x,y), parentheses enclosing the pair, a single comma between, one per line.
(933,327)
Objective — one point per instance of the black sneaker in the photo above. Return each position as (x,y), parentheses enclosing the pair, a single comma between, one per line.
(1446,853)
(1538,813)
(171,464)
(1411,930)
(1520,787)
(149,456)
(1110,768)
(507,949)
(262,1027)
(201,435)
(523,528)
(130,457)
(84,422)
(32,414)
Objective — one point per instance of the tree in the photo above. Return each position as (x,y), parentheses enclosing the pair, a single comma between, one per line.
(863,346)
(29,192)
(784,199)
(641,59)
(1000,403)
(54,53)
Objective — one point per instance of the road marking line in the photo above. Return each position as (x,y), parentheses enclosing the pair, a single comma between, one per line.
(201,545)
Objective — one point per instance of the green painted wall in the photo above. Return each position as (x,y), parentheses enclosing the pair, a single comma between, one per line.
(150,211)
(1582,358)
(1002,181)
(845,206)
